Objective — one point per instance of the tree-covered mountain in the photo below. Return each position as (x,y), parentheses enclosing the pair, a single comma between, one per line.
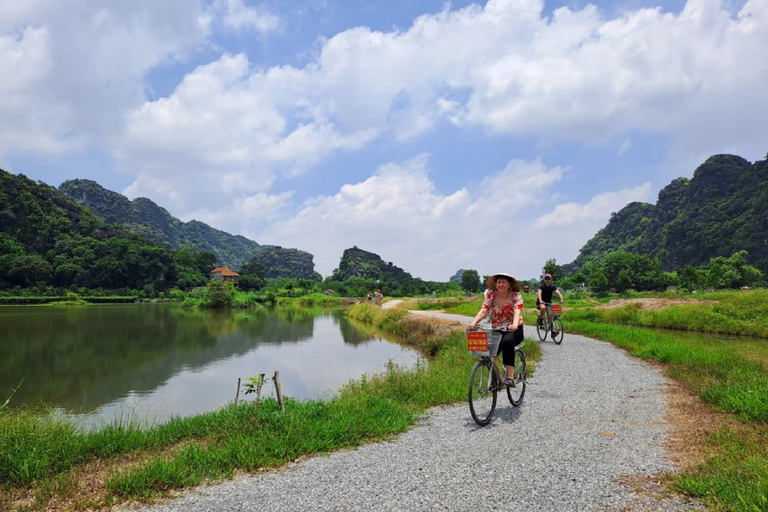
(47,240)
(143,217)
(359,263)
(723,209)
(281,262)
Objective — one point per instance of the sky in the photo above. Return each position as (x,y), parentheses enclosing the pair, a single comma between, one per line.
(441,136)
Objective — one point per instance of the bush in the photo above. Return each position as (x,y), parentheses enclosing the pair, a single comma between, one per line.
(219,294)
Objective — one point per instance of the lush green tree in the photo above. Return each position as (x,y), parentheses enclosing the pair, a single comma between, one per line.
(219,294)
(643,273)
(470,281)
(732,272)
(551,267)
(598,282)
(690,278)
(252,276)
(623,282)
(27,269)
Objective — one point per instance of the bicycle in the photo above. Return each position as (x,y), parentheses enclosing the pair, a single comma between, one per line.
(488,374)
(543,327)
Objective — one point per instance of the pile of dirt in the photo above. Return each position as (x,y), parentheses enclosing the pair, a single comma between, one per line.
(650,303)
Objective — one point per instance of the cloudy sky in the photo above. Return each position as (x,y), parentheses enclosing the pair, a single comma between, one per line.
(439,135)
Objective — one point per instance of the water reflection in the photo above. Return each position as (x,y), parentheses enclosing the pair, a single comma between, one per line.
(159,361)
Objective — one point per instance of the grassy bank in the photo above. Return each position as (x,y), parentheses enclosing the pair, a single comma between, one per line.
(726,371)
(47,464)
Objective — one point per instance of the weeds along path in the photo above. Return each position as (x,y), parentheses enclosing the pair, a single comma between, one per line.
(592,417)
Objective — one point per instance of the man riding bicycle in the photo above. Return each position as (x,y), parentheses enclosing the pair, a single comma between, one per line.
(544,301)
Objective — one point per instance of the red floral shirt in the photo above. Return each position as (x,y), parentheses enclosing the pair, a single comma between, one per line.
(503,313)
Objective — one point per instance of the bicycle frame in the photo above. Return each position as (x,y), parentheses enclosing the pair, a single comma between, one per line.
(554,310)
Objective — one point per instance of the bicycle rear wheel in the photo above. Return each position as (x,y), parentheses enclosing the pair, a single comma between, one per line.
(516,393)
(557,330)
(542,328)
(483,387)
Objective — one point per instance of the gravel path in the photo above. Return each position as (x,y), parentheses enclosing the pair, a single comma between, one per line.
(591,415)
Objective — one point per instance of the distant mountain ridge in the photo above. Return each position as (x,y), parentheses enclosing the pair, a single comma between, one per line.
(721,210)
(359,263)
(145,218)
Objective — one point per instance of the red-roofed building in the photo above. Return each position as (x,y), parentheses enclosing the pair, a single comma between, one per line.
(224,274)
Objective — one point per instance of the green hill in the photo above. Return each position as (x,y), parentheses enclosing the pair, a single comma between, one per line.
(143,217)
(47,240)
(281,262)
(721,210)
(359,263)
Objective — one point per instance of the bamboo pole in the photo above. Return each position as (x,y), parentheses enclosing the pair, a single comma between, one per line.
(279,390)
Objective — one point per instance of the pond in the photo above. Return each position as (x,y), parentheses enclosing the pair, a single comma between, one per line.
(151,362)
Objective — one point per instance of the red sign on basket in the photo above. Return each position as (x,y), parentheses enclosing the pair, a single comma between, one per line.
(477,341)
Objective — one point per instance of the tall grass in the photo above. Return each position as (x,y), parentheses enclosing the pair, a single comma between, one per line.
(741,313)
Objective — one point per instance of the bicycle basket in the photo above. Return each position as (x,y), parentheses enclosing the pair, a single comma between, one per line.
(483,343)
(557,309)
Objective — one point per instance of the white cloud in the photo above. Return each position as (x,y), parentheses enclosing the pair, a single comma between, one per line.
(563,231)
(219,144)
(398,214)
(596,213)
(76,66)
(236,15)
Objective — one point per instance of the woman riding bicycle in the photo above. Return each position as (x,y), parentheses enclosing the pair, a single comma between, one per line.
(504,302)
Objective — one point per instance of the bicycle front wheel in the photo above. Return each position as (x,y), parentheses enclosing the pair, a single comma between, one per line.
(483,387)
(541,329)
(557,330)
(517,392)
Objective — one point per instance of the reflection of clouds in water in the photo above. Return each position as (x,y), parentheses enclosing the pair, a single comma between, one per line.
(318,369)
(315,368)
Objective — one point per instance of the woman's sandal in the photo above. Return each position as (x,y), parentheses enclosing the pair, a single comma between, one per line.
(510,383)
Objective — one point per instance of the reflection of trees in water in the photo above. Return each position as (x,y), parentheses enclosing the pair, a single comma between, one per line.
(356,333)
(81,358)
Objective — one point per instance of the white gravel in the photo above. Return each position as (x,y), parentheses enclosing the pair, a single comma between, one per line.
(591,414)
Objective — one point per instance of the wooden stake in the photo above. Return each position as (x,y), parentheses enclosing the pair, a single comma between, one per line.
(258,389)
(279,390)
(238,391)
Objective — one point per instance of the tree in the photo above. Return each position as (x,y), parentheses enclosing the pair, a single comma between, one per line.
(624,282)
(470,281)
(551,267)
(220,294)
(598,282)
(27,269)
(731,272)
(252,276)
(689,277)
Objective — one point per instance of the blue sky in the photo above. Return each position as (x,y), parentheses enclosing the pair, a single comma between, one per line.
(491,135)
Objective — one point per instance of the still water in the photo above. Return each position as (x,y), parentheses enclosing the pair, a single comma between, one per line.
(151,362)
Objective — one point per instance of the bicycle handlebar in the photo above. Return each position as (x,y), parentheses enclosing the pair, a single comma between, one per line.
(497,329)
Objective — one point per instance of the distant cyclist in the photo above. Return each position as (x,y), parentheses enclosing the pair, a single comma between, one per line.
(544,297)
